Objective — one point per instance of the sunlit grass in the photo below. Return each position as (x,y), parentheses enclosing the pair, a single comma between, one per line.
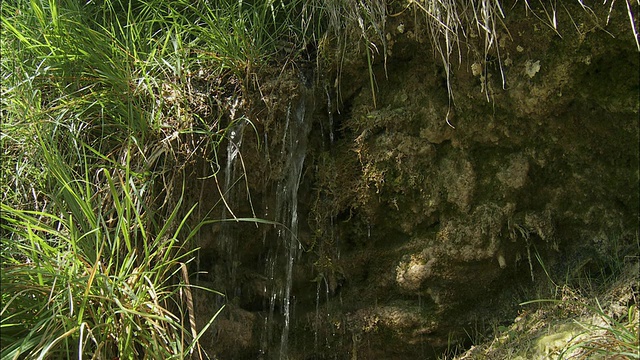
(609,339)
(93,274)
(91,264)
(98,119)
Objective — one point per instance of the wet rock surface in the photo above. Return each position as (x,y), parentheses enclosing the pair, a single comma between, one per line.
(414,229)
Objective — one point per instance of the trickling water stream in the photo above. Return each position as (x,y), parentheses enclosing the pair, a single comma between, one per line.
(298,132)
(283,255)
(228,239)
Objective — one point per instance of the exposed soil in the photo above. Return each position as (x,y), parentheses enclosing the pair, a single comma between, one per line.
(423,219)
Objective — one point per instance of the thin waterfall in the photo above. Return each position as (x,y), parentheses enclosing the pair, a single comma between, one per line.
(297,130)
(229,240)
(233,150)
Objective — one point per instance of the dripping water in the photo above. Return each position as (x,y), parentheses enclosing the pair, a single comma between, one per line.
(228,240)
(317,324)
(322,280)
(233,150)
(283,252)
(297,130)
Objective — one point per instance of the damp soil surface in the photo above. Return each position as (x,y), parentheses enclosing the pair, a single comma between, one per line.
(433,211)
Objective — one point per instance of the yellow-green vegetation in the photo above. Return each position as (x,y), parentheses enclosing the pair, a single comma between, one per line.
(106,106)
(92,261)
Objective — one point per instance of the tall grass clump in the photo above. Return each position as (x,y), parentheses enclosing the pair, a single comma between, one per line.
(96,239)
(242,35)
(92,275)
(609,338)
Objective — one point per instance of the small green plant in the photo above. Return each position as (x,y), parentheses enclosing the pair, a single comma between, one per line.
(610,339)
(602,336)
(597,332)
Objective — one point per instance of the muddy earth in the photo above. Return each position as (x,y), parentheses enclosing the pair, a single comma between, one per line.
(410,221)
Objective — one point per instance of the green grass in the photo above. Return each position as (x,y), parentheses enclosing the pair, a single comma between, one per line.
(94,247)
(610,339)
(93,268)
(100,121)
(597,333)
(93,281)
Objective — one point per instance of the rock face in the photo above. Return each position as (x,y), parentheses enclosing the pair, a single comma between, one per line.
(423,219)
